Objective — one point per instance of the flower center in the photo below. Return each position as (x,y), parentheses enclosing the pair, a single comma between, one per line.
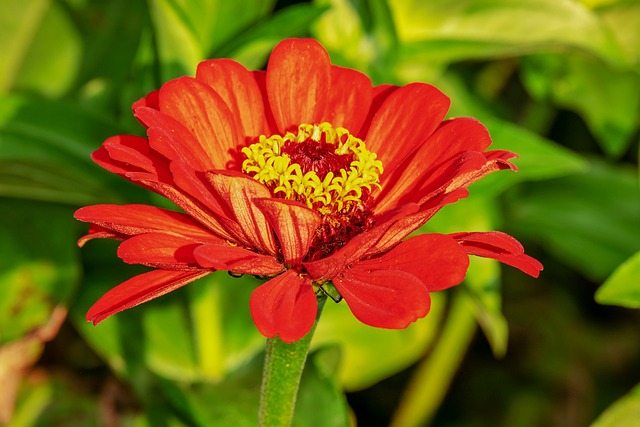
(328,169)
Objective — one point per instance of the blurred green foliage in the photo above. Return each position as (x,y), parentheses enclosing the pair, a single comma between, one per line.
(558,82)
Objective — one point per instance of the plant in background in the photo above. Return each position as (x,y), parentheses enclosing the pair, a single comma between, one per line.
(305,175)
(564,97)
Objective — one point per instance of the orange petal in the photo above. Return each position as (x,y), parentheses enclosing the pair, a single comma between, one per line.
(238,88)
(294,224)
(350,99)
(408,116)
(205,114)
(298,82)
(238,192)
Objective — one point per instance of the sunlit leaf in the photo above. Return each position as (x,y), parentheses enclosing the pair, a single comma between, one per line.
(478,29)
(365,39)
(622,17)
(347,43)
(623,413)
(41,49)
(623,286)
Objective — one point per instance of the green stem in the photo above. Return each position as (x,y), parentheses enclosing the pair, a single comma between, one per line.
(283,366)
(432,377)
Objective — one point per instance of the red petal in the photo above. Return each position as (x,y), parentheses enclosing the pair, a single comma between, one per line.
(494,161)
(205,114)
(170,138)
(236,260)
(194,209)
(331,266)
(97,232)
(160,251)
(501,247)
(122,154)
(130,220)
(261,79)
(425,165)
(406,225)
(130,150)
(294,224)
(350,99)
(356,248)
(151,100)
(238,192)
(238,88)
(298,82)
(195,185)
(384,298)
(380,95)
(437,260)
(285,306)
(139,289)
(409,115)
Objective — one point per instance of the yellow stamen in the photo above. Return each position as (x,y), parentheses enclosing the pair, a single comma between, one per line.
(268,162)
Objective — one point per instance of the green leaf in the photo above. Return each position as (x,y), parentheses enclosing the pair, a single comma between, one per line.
(321,402)
(371,354)
(623,413)
(588,220)
(234,402)
(575,82)
(187,31)
(45,149)
(486,28)
(623,286)
(113,33)
(41,49)
(538,158)
(253,46)
(38,264)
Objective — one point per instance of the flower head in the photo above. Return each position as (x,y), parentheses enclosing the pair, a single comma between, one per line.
(304,174)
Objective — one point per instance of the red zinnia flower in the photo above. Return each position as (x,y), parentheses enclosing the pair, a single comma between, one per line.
(304,174)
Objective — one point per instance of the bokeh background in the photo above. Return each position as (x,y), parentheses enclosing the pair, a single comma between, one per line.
(557,81)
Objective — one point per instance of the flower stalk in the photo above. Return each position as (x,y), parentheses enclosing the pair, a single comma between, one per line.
(283,366)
